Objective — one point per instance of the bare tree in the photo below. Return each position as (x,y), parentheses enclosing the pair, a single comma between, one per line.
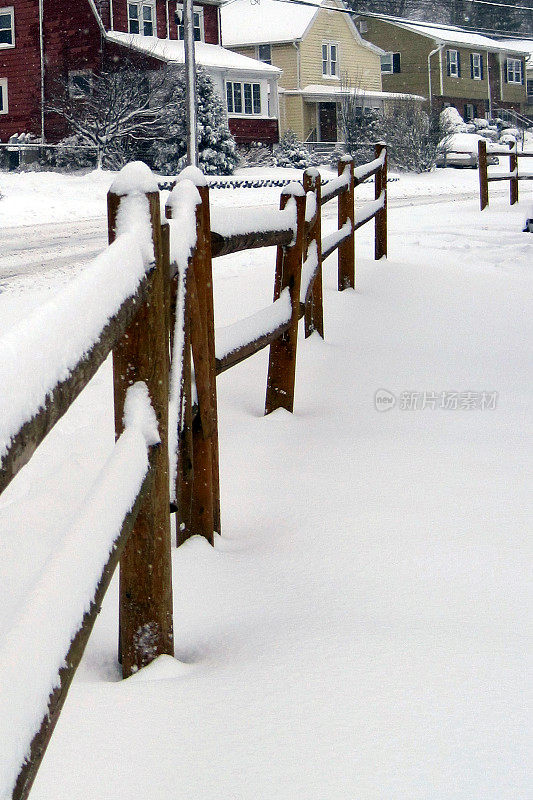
(117,112)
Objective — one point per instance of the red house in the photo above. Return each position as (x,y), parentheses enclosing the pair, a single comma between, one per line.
(41,40)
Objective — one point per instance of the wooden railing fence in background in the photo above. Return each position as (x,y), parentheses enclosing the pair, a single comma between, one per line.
(513,176)
(175,302)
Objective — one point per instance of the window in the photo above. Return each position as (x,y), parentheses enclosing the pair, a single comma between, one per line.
(514,70)
(470,112)
(476,66)
(79,83)
(264,53)
(141,18)
(7,27)
(3,96)
(243,98)
(530,88)
(362,26)
(197,22)
(390,62)
(330,60)
(453,63)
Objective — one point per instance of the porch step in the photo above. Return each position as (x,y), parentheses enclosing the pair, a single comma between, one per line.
(323,148)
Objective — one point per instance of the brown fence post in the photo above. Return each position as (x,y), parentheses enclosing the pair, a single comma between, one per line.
(205,232)
(282,361)
(179,296)
(380,247)
(346,213)
(145,567)
(314,314)
(483,174)
(513,167)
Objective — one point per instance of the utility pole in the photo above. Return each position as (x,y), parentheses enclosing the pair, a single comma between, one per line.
(190,82)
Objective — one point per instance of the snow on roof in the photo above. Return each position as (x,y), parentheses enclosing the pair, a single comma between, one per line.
(319,90)
(525,45)
(244,22)
(208,55)
(453,35)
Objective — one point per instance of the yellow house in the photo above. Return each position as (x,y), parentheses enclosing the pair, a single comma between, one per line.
(322,56)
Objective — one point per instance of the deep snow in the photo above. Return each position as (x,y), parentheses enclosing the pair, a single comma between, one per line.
(360,629)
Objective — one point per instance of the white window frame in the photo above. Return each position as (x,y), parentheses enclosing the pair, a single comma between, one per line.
(328,62)
(239,91)
(453,63)
(197,11)
(477,66)
(4,109)
(11,11)
(258,51)
(141,5)
(387,62)
(514,71)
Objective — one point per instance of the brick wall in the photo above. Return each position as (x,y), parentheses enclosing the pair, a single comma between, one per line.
(250,130)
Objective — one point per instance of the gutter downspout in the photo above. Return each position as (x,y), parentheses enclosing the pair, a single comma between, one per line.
(167,19)
(296,45)
(41,48)
(97,17)
(489,93)
(111,22)
(436,50)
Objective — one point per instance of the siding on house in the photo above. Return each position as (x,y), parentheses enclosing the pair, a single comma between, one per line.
(414,50)
(358,63)
(21,67)
(413,76)
(284,56)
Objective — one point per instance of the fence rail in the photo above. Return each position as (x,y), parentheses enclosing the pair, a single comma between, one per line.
(161,332)
(513,176)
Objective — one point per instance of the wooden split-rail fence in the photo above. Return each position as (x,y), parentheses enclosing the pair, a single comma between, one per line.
(142,334)
(513,176)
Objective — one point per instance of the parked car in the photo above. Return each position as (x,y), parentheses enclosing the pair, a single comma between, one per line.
(461,150)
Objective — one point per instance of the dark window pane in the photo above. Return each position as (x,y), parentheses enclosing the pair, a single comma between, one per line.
(237,98)
(229,97)
(247,98)
(257,98)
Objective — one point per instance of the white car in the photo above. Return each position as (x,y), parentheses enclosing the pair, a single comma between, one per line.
(461,150)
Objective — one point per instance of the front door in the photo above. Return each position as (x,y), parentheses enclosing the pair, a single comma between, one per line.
(327,122)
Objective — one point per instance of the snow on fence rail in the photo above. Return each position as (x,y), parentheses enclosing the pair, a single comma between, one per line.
(152,308)
(513,176)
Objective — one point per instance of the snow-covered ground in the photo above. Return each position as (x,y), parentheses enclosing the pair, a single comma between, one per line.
(360,630)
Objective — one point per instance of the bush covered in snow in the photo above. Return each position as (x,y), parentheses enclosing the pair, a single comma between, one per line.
(255,154)
(217,151)
(290,152)
(451,121)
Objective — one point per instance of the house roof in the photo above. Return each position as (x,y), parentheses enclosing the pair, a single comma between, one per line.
(246,22)
(320,92)
(265,21)
(207,55)
(452,35)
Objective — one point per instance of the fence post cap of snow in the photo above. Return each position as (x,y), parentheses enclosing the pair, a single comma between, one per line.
(294,188)
(135,178)
(346,158)
(193,174)
(312,172)
(184,193)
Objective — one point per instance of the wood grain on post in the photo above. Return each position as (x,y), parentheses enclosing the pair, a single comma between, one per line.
(282,361)
(314,314)
(346,213)
(483,174)
(145,617)
(380,249)
(206,487)
(513,168)
(179,298)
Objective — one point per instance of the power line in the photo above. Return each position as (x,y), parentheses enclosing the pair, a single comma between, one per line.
(500,5)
